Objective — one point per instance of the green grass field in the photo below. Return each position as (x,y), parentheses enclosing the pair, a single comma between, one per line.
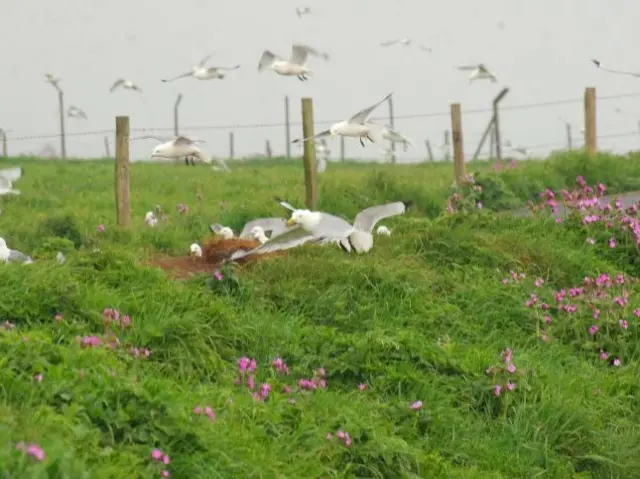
(409,339)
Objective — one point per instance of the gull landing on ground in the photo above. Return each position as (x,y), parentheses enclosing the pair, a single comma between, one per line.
(177,147)
(355,127)
(294,66)
(405,41)
(75,112)
(126,84)
(619,72)
(479,72)
(202,72)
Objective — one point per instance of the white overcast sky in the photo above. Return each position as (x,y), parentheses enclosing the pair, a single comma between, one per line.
(540,49)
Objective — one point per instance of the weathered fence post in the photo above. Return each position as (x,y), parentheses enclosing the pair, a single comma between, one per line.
(107,150)
(342,148)
(123,205)
(496,122)
(392,123)
(309,155)
(63,140)
(232,146)
(3,137)
(429,151)
(569,136)
(458,150)
(446,144)
(590,120)
(176,107)
(287,127)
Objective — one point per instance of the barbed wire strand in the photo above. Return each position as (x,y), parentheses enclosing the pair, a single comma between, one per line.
(234,127)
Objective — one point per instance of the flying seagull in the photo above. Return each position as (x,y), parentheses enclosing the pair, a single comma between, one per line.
(7,177)
(619,72)
(75,112)
(405,41)
(294,66)
(479,72)
(126,84)
(180,147)
(325,228)
(303,11)
(202,72)
(49,78)
(356,127)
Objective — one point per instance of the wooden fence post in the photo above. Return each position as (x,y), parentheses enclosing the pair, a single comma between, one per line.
(309,155)
(287,127)
(447,151)
(3,137)
(123,205)
(496,122)
(429,151)
(63,140)
(342,148)
(458,150)
(232,146)
(569,137)
(107,150)
(176,107)
(590,120)
(392,123)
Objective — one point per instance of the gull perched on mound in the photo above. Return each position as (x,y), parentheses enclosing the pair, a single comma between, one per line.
(150,219)
(126,84)
(294,66)
(322,228)
(202,72)
(479,72)
(11,255)
(7,177)
(75,112)
(356,127)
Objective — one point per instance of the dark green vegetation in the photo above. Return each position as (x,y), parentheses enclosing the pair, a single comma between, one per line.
(420,318)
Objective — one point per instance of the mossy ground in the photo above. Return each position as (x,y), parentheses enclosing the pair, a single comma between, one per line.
(419,318)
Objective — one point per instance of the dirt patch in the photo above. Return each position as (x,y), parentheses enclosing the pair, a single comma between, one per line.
(214,252)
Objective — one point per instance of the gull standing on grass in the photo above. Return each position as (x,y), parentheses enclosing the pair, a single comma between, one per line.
(126,84)
(323,228)
(619,72)
(11,255)
(75,112)
(7,177)
(479,72)
(295,66)
(202,72)
(356,127)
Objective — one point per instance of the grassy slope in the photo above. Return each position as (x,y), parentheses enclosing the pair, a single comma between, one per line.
(419,318)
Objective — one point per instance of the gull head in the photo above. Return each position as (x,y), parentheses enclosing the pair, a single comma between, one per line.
(195,250)
(304,218)
(257,233)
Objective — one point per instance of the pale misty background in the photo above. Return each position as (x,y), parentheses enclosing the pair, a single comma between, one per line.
(540,49)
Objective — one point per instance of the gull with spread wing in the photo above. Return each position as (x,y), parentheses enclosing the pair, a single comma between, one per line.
(49,78)
(75,112)
(294,66)
(356,127)
(322,228)
(405,41)
(7,177)
(178,147)
(126,84)
(619,72)
(479,72)
(202,72)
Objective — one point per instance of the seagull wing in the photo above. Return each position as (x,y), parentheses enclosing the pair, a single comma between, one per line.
(299,53)
(296,236)
(17,256)
(116,84)
(426,49)
(184,75)
(161,139)
(367,219)
(235,67)
(319,135)
(267,59)
(205,59)
(11,174)
(619,72)
(285,204)
(389,43)
(183,140)
(363,115)
(468,67)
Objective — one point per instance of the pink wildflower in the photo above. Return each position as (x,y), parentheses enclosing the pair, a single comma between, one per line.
(593,329)
(362,386)
(616,362)
(497,390)
(416,406)
(156,454)
(100,228)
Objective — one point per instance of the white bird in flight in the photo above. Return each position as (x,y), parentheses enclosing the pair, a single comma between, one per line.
(202,72)
(619,72)
(300,11)
(126,84)
(479,72)
(356,127)
(518,149)
(52,79)
(294,66)
(405,41)
(75,112)
(178,147)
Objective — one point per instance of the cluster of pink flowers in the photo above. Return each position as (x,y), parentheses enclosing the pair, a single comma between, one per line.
(280,365)
(506,367)
(32,450)
(206,411)
(456,201)
(600,303)
(113,316)
(341,436)
(318,381)
(247,367)
(162,458)
(140,352)
(515,277)
(100,229)
(498,166)
(182,208)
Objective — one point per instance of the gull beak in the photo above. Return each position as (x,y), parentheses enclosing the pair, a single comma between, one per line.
(291,222)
